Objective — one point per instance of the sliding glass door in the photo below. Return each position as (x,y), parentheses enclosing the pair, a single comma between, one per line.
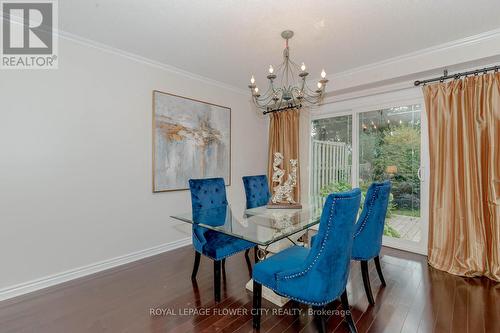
(389,149)
(372,145)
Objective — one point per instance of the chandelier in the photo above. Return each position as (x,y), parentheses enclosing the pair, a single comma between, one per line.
(292,91)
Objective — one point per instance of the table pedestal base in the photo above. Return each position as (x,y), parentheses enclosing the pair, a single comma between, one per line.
(269,295)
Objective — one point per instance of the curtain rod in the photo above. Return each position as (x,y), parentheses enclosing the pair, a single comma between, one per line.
(282,109)
(457,75)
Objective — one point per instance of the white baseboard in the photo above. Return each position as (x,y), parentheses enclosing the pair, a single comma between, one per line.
(51,280)
(404,245)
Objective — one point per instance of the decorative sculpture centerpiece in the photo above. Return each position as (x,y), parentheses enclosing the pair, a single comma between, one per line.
(283,191)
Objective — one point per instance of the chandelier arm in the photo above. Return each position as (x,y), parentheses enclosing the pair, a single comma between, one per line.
(282,76)
(280,70)
(292,74)
(307,86)
(296,93)
(287,80)
(257,104)
(316,97)
(313,99)
(310,93)
(259,100)
(266,100)
(314,91)
(303,85)
(295,64)
(263,101)
(262,96)
(269,92)
(280,67)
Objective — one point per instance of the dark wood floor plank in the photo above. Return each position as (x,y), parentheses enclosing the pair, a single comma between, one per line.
(417,299)
(491,297)
(459,310)
(405,298)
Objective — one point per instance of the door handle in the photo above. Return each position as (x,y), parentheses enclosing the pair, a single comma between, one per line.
(419,174)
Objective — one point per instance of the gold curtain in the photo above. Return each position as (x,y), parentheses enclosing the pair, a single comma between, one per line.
(464,146)
(284,138)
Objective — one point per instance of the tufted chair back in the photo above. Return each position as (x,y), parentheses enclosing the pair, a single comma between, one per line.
(207,193)
(370,226)
(323,275)
(256,190)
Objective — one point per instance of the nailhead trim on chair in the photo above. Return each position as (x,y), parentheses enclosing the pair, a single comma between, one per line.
(227,255)
(322,244)
(312,264)
(367,214)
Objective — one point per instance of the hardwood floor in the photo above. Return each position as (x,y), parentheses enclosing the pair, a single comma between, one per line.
(151,296)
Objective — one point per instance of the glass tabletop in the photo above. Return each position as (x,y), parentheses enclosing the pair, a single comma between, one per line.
(261,225)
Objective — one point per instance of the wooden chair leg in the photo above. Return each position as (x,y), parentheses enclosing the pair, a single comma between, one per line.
(197,257)
(224,264)
(257,304)
(217,269)
(255,252)
(348,317)
(249,262)
(319,317)
(379,270)
(366,281)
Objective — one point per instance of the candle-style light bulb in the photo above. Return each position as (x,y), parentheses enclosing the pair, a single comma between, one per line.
(323,74)
(271,69)
(303,67)
(256,90)
(320,85)
(252,80)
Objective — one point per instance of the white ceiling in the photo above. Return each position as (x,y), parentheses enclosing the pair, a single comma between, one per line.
(228,40)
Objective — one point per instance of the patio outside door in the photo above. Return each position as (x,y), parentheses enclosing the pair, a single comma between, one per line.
(371,145)
(390,142)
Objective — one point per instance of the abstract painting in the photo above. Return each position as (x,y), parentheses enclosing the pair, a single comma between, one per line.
(191,139)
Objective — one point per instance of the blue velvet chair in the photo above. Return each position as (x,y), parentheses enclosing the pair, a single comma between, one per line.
(315,276)
(256,191)
(257,195)
(210,194)
(369,230)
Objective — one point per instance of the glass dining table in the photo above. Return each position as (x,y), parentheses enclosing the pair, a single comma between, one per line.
(262,226)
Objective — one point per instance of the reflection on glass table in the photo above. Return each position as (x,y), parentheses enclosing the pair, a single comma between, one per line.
(260,225)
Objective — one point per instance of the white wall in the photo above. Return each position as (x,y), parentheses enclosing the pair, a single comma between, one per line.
(75,161)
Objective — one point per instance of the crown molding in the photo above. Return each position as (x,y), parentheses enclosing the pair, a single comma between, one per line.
(146,61)
(334,98)
(474,39)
